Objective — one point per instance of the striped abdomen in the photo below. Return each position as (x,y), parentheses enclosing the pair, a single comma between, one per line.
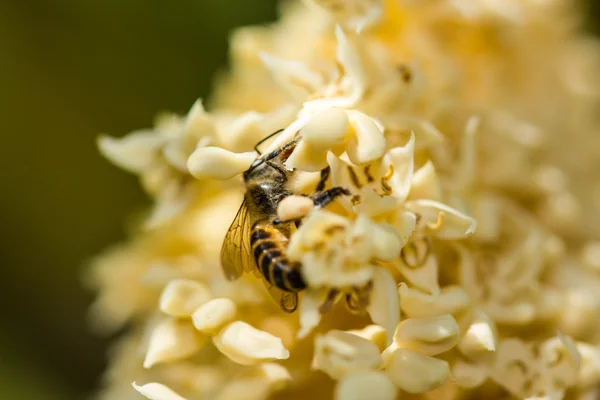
(269,250)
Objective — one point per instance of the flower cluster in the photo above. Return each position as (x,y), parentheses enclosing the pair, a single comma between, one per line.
(465,132)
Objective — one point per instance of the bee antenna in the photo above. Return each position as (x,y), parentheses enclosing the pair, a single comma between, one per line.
(264,140)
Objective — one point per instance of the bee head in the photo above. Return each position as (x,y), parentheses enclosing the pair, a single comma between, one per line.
(271,165)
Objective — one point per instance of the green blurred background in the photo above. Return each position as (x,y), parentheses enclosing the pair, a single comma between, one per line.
(69,70)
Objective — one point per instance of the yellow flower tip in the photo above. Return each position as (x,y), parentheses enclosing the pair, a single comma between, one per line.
(368,143)
(296,77)
(366,386)
(416,373)
(294,207)
(327,129)
(468,376)
(455,225)
(276,375)
(417,304)
(172,340)
(307,159)
(246,345)
(589,370)
(218,163)
(480,335)
(384,306)
(310,315)
(425,183)
(134,153)
(339,353)
(571,348)
(210,317)
(401,162)
(182,296)
(157,391)
(373,333)
(350,60)
(356,15)
(428,336)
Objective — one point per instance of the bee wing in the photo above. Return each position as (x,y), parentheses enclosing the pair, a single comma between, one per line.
(236,254)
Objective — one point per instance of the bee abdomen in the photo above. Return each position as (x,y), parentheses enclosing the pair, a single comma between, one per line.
(270,257)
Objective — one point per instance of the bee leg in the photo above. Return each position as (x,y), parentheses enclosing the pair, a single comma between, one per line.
(289,302)
(323,199)
(324,176)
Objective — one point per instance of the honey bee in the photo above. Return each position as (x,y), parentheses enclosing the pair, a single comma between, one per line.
(257,240)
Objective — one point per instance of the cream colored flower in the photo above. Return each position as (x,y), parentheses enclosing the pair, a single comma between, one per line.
(338,253)
(466,132)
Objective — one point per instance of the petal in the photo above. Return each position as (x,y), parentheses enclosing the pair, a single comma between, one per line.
(218,163)
(294,207)
(454,224)
(135,152)
(405,224)
(288,134)
(339,353)
(247,345)
(368,143)
(425,183)
(198,123)
(561,361)
(487,211)
(589,371)
(212,316)
(425,276)
(384,307)
(401,159)
(353,82)
(157,391)
(340,176)
(182,296)
(416,304)
(348,57)
(428,336)
(387,243)
(479,337)
(327,129)
(241,134)
(466,172)
(305,158)
(198,131)
(373,205)
(294,76)
(172,201)
(513,352)
(467,375)
(416,373)
(172,340)
(256,383)
(309,311)
(277,375)
(373,333)
(366,386)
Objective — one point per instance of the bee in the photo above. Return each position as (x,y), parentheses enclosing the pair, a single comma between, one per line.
(257,240)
